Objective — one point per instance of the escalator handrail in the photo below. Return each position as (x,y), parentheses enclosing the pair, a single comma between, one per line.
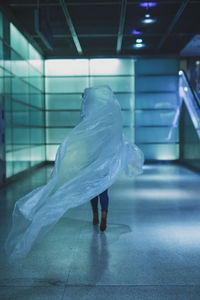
(191,88)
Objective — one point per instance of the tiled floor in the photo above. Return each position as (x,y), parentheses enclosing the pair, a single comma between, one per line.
(151,249)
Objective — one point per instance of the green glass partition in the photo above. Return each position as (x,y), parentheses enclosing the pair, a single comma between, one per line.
(65,81)
(23,91)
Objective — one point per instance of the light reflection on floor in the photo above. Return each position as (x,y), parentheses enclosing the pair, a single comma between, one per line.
(181,235)
(151,249)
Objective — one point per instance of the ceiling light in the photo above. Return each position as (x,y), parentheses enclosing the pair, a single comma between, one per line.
(138,46)
(136,32)
(148,19)
(139,41)
(148,4)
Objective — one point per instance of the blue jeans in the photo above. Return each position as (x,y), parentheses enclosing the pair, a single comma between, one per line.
(103,201)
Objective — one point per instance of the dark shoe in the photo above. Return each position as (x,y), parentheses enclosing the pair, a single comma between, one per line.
(103,220)
(95,218)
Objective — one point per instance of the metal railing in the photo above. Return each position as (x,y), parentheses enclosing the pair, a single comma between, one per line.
(192,102)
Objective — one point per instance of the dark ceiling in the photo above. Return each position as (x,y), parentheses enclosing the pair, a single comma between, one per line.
(88,28)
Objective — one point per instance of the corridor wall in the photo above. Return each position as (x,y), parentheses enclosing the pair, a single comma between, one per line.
(22,95)
(40,101)
(189,141)
(2,120)
(156,101)
(65,81)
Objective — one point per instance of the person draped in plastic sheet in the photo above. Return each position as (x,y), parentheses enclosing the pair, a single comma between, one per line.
(104,200)
(88,161)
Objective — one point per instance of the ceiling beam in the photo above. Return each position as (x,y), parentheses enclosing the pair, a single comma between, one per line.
(173,23)
(114,35)
(68,4)
(71,27)
(121,26)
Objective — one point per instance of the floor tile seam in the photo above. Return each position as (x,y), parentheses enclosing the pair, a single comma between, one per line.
(133,285)
(65,286)
(74,251)
(63,294)
(34,286)
(25,279)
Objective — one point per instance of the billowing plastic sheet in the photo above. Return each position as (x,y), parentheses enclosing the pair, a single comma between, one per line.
(88,161)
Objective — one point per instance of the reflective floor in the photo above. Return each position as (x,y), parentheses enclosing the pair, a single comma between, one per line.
(151,249)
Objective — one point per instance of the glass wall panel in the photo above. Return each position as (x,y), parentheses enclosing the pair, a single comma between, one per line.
(51,152)
(113,66)
(156,101)
(160,151)
(61,118)
(36,136)
(1,70)
(126,100)
(160,83)
(19,67)
(1,53)
(21,160)
(35,59)
(154,117)
(7,62)
(66,80)
(1,25)
(63,101)
(9,164)
(19,86)
(66,84)
(56,135)
(127,117)
(20,114)
(117,84)
(157,66)
(21,98)
(2,105)
(20,136)
(156,135)
(1,81)
(66,67)
(36,117)
(36,155)
(35,79)
(23,89)
(18,42)
(36,98)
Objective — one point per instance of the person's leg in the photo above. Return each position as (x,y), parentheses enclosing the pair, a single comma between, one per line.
(104,200)
(104,209)
(94,204)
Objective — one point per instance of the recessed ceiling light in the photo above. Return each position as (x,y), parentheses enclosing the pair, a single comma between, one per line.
(136,32)
(148,4)
(148,19)
(139,45)
(138,40)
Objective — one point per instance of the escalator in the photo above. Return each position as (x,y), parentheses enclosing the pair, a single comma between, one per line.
(187,117)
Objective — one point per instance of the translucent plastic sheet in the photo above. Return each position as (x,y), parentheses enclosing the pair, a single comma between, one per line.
(88,161)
